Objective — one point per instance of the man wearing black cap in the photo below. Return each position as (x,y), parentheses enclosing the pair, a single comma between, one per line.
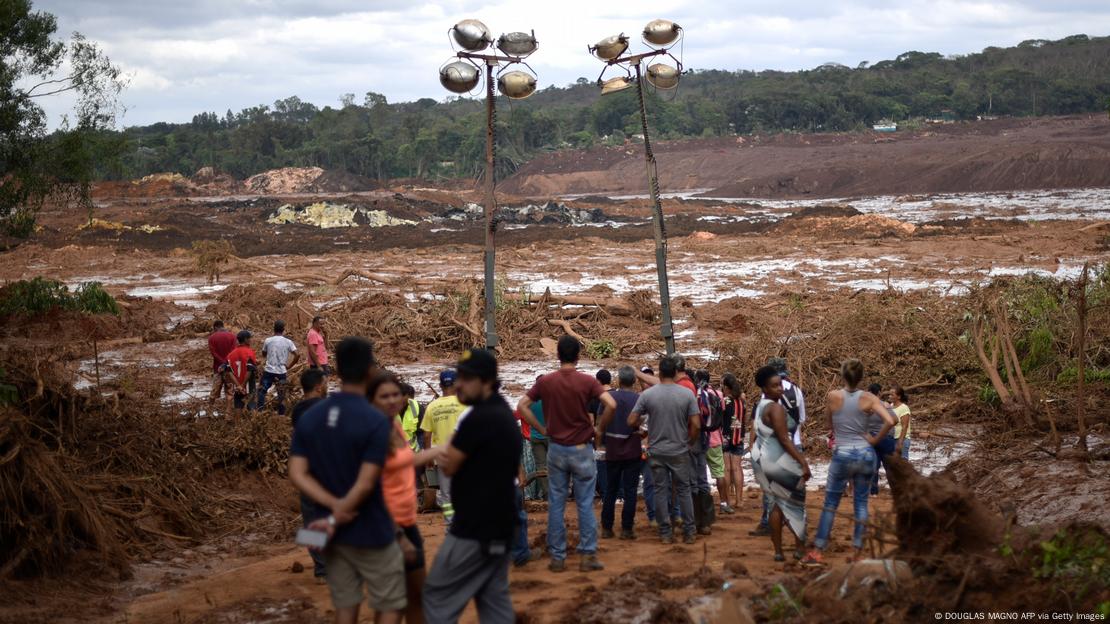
(482,459)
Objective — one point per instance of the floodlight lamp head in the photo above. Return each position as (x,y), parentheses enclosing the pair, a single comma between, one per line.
(610,48)
(661,33)
(459,76)
(613,85)
(517,43)
(516,84)
(663,76)
(472,35)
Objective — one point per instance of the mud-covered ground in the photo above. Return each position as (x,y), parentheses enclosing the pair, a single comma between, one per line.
(741,271)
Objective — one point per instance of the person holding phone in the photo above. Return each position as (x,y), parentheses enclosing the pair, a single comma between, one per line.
(339,449)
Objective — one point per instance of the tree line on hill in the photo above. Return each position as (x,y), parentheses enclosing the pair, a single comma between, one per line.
(430,139)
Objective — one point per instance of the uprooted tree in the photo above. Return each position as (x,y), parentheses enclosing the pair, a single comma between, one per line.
(36,165)
(994,343)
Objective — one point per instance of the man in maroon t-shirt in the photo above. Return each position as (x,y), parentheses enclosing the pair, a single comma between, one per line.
(220,344)
(566,394)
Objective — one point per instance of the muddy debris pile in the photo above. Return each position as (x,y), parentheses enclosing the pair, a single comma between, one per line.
(953,554)
(291,180)
(451,319)
(283,181)
(326,215)
(551,212)
(95,479)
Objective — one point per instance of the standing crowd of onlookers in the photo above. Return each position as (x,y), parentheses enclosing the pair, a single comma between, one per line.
(368,458)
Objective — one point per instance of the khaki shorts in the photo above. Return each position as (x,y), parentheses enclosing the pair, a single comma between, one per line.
(715,457)
(382,570)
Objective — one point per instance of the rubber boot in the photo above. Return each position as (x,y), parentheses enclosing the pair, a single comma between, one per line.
(710,512)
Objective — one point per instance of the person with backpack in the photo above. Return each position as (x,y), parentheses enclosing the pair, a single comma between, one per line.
(794,401)
(732,429)
(712,405)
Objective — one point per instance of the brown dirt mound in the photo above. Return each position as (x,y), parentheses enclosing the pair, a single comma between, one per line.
(283,181)
(865,226)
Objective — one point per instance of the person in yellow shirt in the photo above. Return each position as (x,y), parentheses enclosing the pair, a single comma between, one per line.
(410,418)
(440,419)
(902,427)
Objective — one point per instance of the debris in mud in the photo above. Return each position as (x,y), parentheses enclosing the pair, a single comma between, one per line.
(116,226)
(551,212)
(326,215)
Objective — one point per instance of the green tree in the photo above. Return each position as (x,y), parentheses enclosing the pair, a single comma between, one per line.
(34,165)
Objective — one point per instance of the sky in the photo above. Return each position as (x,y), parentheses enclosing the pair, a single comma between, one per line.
(183,57)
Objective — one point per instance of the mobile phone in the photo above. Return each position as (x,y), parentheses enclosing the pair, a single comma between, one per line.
(310,537)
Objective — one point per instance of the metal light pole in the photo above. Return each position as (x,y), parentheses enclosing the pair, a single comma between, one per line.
(664,34)
(461,76)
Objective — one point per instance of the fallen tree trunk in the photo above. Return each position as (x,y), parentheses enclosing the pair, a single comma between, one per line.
(614,305)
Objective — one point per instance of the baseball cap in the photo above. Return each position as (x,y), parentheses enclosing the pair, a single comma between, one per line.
(447,377)
(478,363)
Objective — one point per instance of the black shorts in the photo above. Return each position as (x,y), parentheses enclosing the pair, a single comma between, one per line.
(413,535)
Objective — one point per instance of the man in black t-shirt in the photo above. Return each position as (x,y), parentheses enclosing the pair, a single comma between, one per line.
(482,460)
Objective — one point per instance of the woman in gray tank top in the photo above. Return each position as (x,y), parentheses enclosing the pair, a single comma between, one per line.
(853,455)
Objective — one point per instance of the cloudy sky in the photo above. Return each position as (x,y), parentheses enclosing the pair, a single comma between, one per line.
(186,57)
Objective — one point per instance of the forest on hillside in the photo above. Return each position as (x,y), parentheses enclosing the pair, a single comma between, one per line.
(433,139)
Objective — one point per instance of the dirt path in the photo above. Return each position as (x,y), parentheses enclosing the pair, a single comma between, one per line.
(265,589)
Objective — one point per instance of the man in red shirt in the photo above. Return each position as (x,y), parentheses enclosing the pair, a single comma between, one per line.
(566,394)
(241,362)
(220,343)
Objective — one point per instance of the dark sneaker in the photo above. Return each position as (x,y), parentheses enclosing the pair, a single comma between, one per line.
(607,534)
(589,563)
(705,531)
(666,539)
(533,555)
(557,565)
(628,534)
(727,509)
(689,539)
(760,531)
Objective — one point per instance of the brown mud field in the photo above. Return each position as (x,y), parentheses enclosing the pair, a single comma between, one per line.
(126,498)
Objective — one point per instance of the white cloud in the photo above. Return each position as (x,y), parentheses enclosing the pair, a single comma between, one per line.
(188,57)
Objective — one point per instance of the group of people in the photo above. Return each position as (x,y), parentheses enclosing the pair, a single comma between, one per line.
(361,457)
(235,364)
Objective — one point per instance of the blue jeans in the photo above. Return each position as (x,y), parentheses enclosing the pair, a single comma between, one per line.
(521,552)
(884,448)
(624,475)
(848,464)
(906,449)
(765,519)
(649,495)
(571,466)
(268,381)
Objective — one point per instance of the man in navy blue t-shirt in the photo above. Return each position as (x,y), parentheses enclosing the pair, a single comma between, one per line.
(338,451)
